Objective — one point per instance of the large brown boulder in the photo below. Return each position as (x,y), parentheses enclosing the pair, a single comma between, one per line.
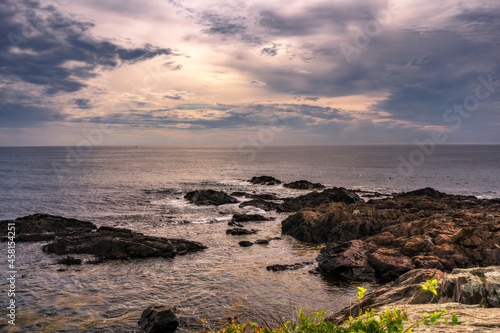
(159,319)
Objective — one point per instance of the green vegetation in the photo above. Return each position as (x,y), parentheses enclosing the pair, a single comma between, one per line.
(388,321)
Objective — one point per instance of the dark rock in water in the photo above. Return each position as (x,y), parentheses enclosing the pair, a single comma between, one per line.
(240,231)
(262,241)
(210,197)
(114,243)
(245,243)
(239,194)
(234,224)
(159,319)
(264,196)
(428,191)
(44,227)
(265,180)
(279,267)
(304,185)
(250,218)
(262,204)
(69,261)
(314,199)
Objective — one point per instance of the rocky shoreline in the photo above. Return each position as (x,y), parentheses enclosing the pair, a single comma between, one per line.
(399,240)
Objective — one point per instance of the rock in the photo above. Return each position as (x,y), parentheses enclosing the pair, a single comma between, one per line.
(262,241)
(279,267)
(259,203)
(314,199)
(240,231)
(114,243)
(265,180)
(428,191)
(334,222)
(239,194)
(159,319)
(245,243)
(304,185)
(234,224)
(265,196)
(347,261)
(69,261)
(467,286)
(403,233)
(250,218)
(492,287)
(44,227)
(210,197)
(406,289)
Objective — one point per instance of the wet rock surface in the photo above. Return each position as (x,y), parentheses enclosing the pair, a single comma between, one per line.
(159,319)
(240,231)
(304,185)
(210,197)
(382,239)
(285,267)
(314,199)
(265,180)
(44,227)
(115,243)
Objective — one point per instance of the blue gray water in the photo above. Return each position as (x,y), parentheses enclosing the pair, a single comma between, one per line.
(142,188)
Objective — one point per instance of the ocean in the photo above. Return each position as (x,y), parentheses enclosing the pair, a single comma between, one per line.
(142,188)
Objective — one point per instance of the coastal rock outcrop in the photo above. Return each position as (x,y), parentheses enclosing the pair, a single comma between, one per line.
(159,319)
(304,185)
(382,239)
(314,199)
(265,180)
(209,197)
(115,243)
(464,286)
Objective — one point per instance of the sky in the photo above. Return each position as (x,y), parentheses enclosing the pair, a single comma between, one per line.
(193,72)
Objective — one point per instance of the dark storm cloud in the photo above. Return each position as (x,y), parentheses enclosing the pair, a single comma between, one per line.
(40,41)
(82,103)
(21,115)
(313,19)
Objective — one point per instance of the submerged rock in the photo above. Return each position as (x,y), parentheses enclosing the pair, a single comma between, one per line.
(210,197)
(250,218)
(245,243)
(304,185)
(262,204)
(281,267)
(159,319)
(240,231)
(69,261)
(265,180)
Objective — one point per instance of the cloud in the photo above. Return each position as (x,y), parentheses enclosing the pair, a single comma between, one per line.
(82,103)
(258,83)
(270,51)
(314,99)
(42,41)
